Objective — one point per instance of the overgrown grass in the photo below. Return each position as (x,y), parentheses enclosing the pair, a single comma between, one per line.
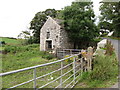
(23,56)
(21,77)
(18,57)
(104,73)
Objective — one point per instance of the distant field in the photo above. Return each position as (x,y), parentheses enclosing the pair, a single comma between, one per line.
(10,40)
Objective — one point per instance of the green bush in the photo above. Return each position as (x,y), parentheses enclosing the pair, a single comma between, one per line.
(30,40)
(47,56)
(86,76)
(14,49)
(3,42)
(11,49)
(105,67)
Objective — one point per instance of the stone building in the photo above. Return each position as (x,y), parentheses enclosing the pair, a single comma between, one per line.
(53,36)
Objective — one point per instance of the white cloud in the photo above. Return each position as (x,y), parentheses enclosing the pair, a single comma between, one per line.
(16,14)
(96,9)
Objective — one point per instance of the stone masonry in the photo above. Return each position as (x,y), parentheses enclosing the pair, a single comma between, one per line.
(53,36)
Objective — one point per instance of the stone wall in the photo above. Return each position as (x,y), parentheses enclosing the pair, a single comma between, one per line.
(64,40)
(58,36)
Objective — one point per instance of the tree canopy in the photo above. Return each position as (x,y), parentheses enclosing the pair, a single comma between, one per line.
(110,17)
(78,19)
(79,23)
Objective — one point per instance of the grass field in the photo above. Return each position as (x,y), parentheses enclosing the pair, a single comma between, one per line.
(19,57)
(21,77)
(10,40)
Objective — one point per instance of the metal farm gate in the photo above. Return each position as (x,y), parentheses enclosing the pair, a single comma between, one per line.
(66,73)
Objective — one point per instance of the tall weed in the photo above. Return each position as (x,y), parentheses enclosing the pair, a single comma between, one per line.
(105,67)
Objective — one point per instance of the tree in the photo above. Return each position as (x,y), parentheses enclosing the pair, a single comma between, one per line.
(116,20)
(36,24)
(24,34)
(110,13)
(105,25)
(50,12)
(24,37)
(79,23)
(39,20)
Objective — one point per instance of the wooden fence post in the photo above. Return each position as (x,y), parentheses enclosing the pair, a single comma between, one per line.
(89,58)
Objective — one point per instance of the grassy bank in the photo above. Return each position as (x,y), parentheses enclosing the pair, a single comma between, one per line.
(103,75)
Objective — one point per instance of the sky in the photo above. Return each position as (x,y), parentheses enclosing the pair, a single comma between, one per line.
(15,15)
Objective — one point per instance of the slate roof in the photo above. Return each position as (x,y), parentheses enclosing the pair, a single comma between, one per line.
(59,22)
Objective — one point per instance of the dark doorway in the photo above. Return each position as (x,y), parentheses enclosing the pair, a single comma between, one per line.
(49,45)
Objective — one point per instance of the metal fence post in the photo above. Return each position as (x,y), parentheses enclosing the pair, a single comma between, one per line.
(61,75)
(90,64)
(34,77)
(70,52)
(74,70)
(81,66)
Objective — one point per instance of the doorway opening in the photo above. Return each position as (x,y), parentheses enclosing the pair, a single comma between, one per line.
(49,45)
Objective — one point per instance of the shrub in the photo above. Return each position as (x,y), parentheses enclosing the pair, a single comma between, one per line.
(11,49)
(30,40)
(104,68)
(47,56)
(109,48)
(86,76)
(3,42)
